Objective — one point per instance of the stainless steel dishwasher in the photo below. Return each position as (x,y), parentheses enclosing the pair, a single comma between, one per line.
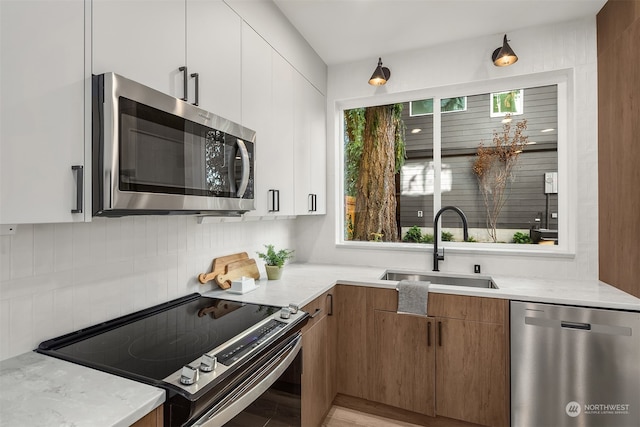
(573,366)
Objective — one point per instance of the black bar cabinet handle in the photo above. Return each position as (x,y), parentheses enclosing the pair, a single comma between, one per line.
(315,313)
(330,313)
(313,199)
(310,202)
(428,334)
(274,196)
(440,334)
(79,169)
(197,77)
(184,82)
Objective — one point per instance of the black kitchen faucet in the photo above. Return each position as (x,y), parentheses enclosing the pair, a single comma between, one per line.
(436,256)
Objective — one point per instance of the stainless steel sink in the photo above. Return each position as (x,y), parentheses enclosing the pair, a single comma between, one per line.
(476,282)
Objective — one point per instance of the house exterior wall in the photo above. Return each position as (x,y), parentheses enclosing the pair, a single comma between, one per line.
(568,47)
(462,132)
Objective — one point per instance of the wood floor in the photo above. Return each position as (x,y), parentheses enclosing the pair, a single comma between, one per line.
(348,411)
(339,416)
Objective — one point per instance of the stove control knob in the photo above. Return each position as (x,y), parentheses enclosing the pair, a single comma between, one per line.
(189,375)
(285,313)
(293,308)
(208,362)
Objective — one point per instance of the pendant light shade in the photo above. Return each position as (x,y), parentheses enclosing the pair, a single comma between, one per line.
(380,75)
(504,56)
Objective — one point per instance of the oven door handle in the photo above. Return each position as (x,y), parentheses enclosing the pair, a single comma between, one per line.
(252,388)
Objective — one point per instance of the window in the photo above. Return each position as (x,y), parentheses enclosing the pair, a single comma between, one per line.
(425,106)
(498,164)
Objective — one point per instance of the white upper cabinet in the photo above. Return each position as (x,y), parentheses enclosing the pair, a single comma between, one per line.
(309,148)
(141,40)
(165,44)
(256,107)
(213,53)
(267,108)
(42,111)
(318,152)
(278,159)
(51,48)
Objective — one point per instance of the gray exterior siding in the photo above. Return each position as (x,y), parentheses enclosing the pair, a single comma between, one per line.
(461,134)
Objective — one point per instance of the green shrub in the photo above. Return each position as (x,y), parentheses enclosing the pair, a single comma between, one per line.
(447,237)
(414,235)
(521,238)
(427,238)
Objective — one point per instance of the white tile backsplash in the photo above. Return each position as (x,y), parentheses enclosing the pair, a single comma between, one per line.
(81,245)
(63,247)
(57,278)
(43,249)
(21,332)
(5,257)
(22,253)
(5,328)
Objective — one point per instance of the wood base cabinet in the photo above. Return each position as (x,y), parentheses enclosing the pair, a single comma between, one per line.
(318,390)
(472,358)
(152,419)
(403,359)
(352,374)
(453,363)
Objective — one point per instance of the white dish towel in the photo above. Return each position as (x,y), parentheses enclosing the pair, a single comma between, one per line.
(412,297)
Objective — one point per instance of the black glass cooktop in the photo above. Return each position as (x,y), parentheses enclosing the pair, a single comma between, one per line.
(154,343)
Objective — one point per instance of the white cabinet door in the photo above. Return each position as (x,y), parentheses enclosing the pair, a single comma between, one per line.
(42,110)
(318,152)
(309,148)
(214,53)
(142,40)
(301,148)
(278,159)
(267,108)
(256,109)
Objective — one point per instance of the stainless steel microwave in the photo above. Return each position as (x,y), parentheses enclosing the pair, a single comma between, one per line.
(155,154)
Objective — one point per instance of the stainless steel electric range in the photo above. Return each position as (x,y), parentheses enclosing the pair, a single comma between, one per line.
(216,359)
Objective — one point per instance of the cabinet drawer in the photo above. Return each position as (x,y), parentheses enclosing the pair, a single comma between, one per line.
(318,309)
(477,309)
(382,299)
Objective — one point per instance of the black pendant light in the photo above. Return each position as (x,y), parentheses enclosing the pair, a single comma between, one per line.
(504,56)
(380,75)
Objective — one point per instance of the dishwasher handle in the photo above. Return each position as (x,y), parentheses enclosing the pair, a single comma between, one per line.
(575,325)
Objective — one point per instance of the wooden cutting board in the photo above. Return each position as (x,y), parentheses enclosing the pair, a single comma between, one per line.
(219,266)
(236,270)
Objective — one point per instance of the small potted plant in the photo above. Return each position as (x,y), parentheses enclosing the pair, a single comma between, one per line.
(274,261)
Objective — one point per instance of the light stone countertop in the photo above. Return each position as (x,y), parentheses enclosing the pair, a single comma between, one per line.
(38,390)
(301,283)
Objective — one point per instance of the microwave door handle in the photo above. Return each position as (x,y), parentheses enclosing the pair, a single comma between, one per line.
(246,168)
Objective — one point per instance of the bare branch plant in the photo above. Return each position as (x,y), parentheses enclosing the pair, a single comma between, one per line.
(494,168)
